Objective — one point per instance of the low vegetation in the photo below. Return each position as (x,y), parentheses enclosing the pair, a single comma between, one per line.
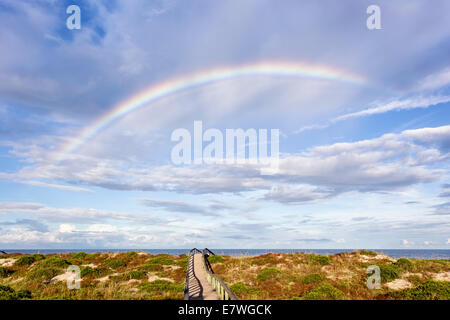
(5,272)
(215,258)
(8,293)
(268,274)
(368,253)
(240,288)
(404,264)
(299,276)
(322,260)
(162,286)
(430,290)
(302,276)
(162,259)
(324,292)
(389,272)
(313,278)
(104,276)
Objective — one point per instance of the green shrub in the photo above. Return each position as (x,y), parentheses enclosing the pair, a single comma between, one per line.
(162,259)
(445,262)
(8,293)
(89,272)
(161,285)
(5,272)
(38,256)
(322,260)
(264,260)
(116,263)
(135,274)
(79,255)
(239,288)
(55,262)
(151,267)
(215,259)
(268,274)
(312,278)
(43,273)
(183,261)
(324,292)
(368,253)
(389,272)
(25,261)
(404,263)
(92,255)
(430,290)
(130,254)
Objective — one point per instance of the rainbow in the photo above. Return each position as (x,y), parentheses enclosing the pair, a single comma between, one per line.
(175,85)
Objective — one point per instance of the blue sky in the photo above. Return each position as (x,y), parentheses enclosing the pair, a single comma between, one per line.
(362,165)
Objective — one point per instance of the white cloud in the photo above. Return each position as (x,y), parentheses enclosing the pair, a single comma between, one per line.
(72,215)
(57,186)
(412,103)
(288,194)
(407,243)
(102,228)
(396,105)
(381,164)
(105,70)
(208,209)
(436,80)
(66,228)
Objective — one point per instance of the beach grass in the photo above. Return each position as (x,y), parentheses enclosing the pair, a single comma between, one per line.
(287,276)
(104,276)
(340,276)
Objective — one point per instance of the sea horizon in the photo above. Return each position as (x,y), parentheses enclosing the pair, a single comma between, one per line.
(394,253)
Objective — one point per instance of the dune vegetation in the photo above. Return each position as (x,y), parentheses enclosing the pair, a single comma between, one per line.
(105,276)
(298,276)
(335,277)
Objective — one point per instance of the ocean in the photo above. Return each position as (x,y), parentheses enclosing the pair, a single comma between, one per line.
(394,253)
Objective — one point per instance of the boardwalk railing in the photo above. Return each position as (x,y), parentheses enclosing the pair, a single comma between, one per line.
(215,281)
(218,284)
(190,271)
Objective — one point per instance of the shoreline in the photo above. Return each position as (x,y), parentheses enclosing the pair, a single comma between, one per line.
(429,254)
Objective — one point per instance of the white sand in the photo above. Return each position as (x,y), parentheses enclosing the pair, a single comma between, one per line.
(364,258)
(104,279)
(399,284)
(154,277)
(7,262)
(443,276)
(64,277)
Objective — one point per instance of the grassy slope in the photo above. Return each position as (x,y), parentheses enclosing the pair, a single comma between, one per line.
(340,276)
(270,276)
(125,276)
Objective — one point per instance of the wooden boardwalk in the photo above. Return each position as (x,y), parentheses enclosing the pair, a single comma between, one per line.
(199,287)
